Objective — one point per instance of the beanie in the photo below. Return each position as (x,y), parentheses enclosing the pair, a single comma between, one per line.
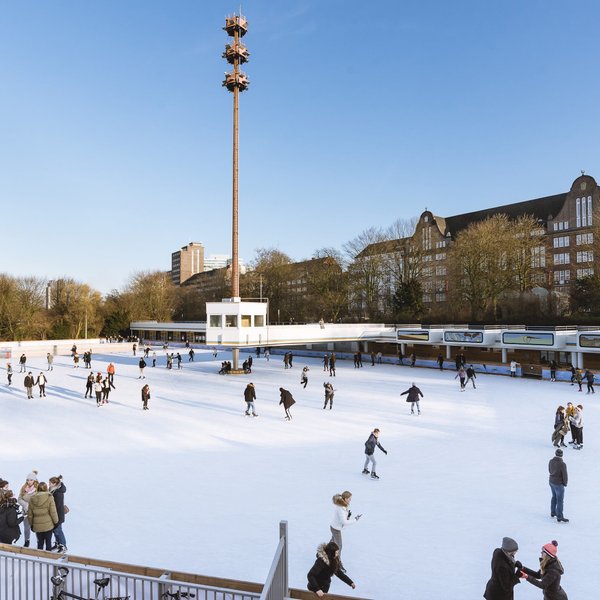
(509,545)
(551,548)
(559,452)
(32,476)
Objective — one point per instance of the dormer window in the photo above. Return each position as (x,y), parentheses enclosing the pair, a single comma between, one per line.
(426,218)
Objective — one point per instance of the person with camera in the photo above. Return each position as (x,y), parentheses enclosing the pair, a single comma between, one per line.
(342,517)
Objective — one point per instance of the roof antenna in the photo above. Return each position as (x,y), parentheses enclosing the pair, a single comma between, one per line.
(582,172)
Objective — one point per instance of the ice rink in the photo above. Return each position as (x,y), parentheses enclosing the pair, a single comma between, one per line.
(194,485)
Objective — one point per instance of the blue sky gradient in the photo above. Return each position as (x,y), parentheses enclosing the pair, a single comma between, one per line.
(116,132)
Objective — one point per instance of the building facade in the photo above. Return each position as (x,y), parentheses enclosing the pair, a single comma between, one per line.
(187,262)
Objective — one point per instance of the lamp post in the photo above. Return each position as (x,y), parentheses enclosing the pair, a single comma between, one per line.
(235,81)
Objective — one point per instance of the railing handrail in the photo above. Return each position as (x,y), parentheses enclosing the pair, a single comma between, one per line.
(273,569)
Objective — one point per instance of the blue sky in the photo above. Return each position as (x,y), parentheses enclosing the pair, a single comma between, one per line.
(116,132)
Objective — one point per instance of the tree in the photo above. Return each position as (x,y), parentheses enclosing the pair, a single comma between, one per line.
(366,272)
(408,300)
(152,296)
(585,295)
(22,308)
(526,248)
(328,285)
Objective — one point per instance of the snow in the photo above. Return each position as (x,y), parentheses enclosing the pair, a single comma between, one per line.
(194,485)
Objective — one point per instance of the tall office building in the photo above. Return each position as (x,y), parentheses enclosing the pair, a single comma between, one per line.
(187,262)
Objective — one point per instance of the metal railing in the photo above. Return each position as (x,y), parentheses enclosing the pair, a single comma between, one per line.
(24,577)
(276,586)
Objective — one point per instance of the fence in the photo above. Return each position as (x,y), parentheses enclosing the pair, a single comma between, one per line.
(24,577)
(276,586)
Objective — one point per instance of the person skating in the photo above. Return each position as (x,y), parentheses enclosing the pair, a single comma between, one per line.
(23,364)
(145,396)
(573,372)
(154,359)
(553,366)
(287,400)
(506,572)
(370,445)
(41,382)
(440,362)
(329,393)
(561,427)
(570,412)
(326,566)
(413,397)
(142,366)
(178,357)
(549,575)
(76,361)
(576,421)
(89,385)
(304,377)
(105,390)
(250,397)
(342,517)
(29,382)
(190,354)
(589,379)
(332,361)
(413,359)
(50,360)
(372,358)
(291,359)
(579,379)
(110,370)
(326,362)
(513,368)
(9,373)
(558,480)
(471,376)
(462,375)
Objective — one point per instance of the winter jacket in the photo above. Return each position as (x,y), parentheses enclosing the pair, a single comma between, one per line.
(111,369)
(471,373)
(249,393)
(59,500)
(286,398)
(558,471)
(549,581)
(10,517)
(589,376)
(142,363)
(413,394)
(28,381)
(319,576)
(504,577)
(577,419)
(145,394)
(42,513)
(342,517)
(371,443)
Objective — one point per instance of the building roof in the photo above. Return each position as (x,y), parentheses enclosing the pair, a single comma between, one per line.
(542,209)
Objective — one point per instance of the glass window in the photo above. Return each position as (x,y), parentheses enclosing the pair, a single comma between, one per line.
(589,202)
(246,321)
(214,320)
(231,321)
(259,321)
(578,211)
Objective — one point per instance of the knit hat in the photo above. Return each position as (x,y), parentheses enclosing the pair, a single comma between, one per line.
(32,476)
(551,548)
(509,545)
(558,452)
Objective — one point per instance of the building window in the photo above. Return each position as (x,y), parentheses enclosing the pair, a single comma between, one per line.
(440,256)
(584,238)
(562,277)
(562,259)
(426,238)
(589,203)
(578,211)
(561,242)
(538,257)
(214,320)
(231,321)
(259,321)
(583,213)
(427,272)
(246,320)
(427,298)
(440,271)
(440,297)
(427,258)
(584,273)
(585,256)
(441,244)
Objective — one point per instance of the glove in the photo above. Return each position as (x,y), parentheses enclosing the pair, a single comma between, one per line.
(523,575)
(519,565)
(385,452)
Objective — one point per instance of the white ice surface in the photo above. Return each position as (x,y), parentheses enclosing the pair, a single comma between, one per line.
(195,486)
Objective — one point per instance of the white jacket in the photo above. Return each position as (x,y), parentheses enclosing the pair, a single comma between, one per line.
(340,518)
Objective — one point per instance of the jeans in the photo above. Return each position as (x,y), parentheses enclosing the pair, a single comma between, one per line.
(370,458)
(59,536)
(250,406)
(558,496)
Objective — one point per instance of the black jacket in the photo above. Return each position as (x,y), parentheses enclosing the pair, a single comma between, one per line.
(549,581)
(249,393)
(370,445)
(286,398)
(319,577)
(504,577)
(59,500)
(558,471)
(9,521)
(413,394)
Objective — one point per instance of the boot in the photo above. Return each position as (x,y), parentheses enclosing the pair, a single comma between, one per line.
(366,471)
(374,475)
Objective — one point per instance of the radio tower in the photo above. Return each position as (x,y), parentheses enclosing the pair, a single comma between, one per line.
(236,54)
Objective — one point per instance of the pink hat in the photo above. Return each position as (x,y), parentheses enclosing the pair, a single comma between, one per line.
(551,548)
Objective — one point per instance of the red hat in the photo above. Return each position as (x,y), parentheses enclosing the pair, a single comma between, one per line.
(551,548)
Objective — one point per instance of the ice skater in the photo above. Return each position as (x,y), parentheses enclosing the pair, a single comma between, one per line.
(249,398)
(288,401)
(41,382)
(558,480)
(413,397)
(549,575)
(9,373)
(327,565)
(370,445)
(462,377)
(471,376)
(329,392)
(304,377)
(342,517)
(506,572)
(145,397)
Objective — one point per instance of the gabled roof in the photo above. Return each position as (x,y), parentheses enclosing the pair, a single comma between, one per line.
(542,209)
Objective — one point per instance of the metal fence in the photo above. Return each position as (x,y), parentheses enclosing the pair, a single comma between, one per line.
(24,577)
(276,586)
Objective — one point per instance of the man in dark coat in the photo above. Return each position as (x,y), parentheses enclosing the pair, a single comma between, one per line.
(413,397)
(506,572)
(250,397)
(287,400)
(558,482)
(29,382)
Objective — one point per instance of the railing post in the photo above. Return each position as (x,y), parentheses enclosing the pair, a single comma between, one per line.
(283,533)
